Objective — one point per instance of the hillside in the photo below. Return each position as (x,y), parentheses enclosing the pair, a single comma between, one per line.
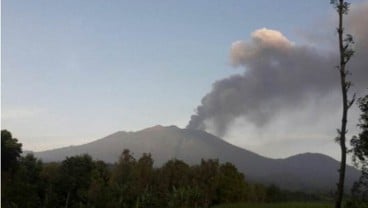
(307,172)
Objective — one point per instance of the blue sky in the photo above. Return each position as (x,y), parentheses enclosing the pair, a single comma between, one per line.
(75,71)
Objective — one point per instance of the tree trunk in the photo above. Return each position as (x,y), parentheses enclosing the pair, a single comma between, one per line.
(344,89)
(67,200)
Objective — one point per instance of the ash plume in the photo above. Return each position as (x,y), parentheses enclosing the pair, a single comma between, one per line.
(278,76)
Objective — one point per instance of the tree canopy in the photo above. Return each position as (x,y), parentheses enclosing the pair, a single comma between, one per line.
(79,181)
(360,154)
(10,151)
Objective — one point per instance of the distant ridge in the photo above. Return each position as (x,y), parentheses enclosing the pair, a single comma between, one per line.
(304,172)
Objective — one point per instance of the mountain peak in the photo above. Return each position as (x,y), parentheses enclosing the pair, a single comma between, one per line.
(310,157)
(159,128)
(308,171)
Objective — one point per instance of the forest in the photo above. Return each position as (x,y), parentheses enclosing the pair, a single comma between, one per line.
(80,181)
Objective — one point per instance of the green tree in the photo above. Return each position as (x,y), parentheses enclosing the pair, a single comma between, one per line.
(30,187)
(26,189)
(10,155)
(231,184)
(122,181)
(360,153)
(74,180)
(50,174)
(274,194)
(10,151)
(257,193)
(207,178)
(345,53)
(99,190)
(360,142)
(174,177)
(175,173)
(144,174)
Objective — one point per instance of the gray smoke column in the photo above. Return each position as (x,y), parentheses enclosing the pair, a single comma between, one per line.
(279,76)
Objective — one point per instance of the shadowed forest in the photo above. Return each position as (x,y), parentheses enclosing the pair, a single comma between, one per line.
(80,181)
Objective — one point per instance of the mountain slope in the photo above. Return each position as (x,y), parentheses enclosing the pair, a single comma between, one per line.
(308,172)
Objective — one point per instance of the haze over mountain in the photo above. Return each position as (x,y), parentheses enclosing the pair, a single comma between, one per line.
(307,172)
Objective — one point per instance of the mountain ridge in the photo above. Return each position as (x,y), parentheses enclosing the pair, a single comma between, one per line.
(302,172)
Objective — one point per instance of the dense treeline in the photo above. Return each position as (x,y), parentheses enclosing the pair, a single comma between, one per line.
(80,182)
(360,158)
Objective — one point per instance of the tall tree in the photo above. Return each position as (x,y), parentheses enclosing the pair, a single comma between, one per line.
(26,189)
(10,156)
(122,180)
(50,174)
(10,151)
(99,191)
(345,53)
(75,179)
(231,184)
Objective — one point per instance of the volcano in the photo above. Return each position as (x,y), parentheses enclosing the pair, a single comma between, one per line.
(302,172)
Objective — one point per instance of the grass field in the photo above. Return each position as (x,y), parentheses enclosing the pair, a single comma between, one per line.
(278,205)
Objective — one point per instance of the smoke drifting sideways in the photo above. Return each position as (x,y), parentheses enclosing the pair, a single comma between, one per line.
(278,76)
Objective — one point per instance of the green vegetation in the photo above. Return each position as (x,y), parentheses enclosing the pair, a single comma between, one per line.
(279,205)
(360,158)
(80,181)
